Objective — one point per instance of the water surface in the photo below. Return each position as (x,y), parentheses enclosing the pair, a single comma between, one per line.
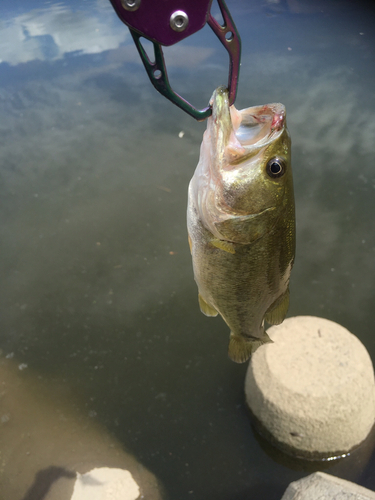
(98,293)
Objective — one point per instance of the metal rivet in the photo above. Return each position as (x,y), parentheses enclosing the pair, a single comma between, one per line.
(131,4)
(179,20)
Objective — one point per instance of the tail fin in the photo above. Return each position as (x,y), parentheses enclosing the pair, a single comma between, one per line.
(241,348)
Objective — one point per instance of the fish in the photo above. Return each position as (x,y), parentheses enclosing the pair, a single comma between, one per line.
(241,221)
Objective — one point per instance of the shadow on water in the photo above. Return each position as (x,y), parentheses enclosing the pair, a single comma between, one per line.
(44,479)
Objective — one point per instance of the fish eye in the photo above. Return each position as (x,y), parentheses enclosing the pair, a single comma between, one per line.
(276,167)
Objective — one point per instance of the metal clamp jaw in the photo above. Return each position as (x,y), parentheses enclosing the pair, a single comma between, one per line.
(168,22)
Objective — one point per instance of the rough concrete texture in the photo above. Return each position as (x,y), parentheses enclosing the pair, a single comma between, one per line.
(312,390)
(321,486)
(105,483)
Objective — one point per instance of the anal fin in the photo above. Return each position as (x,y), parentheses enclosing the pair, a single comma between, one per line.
(227,246)
(277,311)
(206,308)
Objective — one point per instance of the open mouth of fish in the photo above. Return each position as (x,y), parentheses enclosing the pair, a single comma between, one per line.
(253,129)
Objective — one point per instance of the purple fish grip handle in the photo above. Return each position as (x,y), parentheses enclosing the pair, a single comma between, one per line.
(163,21)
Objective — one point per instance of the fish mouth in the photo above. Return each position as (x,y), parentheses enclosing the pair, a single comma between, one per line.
(255,127)
(239,135)
(258,123)
(250,128)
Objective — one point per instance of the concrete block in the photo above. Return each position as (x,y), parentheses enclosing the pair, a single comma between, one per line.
(321,486)
(312,391)
(106,483)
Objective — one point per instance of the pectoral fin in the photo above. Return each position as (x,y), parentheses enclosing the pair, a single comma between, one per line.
(227,246)
(190,244)
(277,311)
(206,309)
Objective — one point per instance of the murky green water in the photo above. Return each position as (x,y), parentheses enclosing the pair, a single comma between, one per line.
(98,295)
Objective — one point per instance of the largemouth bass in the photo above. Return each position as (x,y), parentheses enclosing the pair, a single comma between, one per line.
(241,221)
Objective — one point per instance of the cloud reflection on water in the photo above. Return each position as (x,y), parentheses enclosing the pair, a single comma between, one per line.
(50,33)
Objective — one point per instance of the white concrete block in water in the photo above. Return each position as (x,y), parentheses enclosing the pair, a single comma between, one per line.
(312,391)
(105,483)
(324,486)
